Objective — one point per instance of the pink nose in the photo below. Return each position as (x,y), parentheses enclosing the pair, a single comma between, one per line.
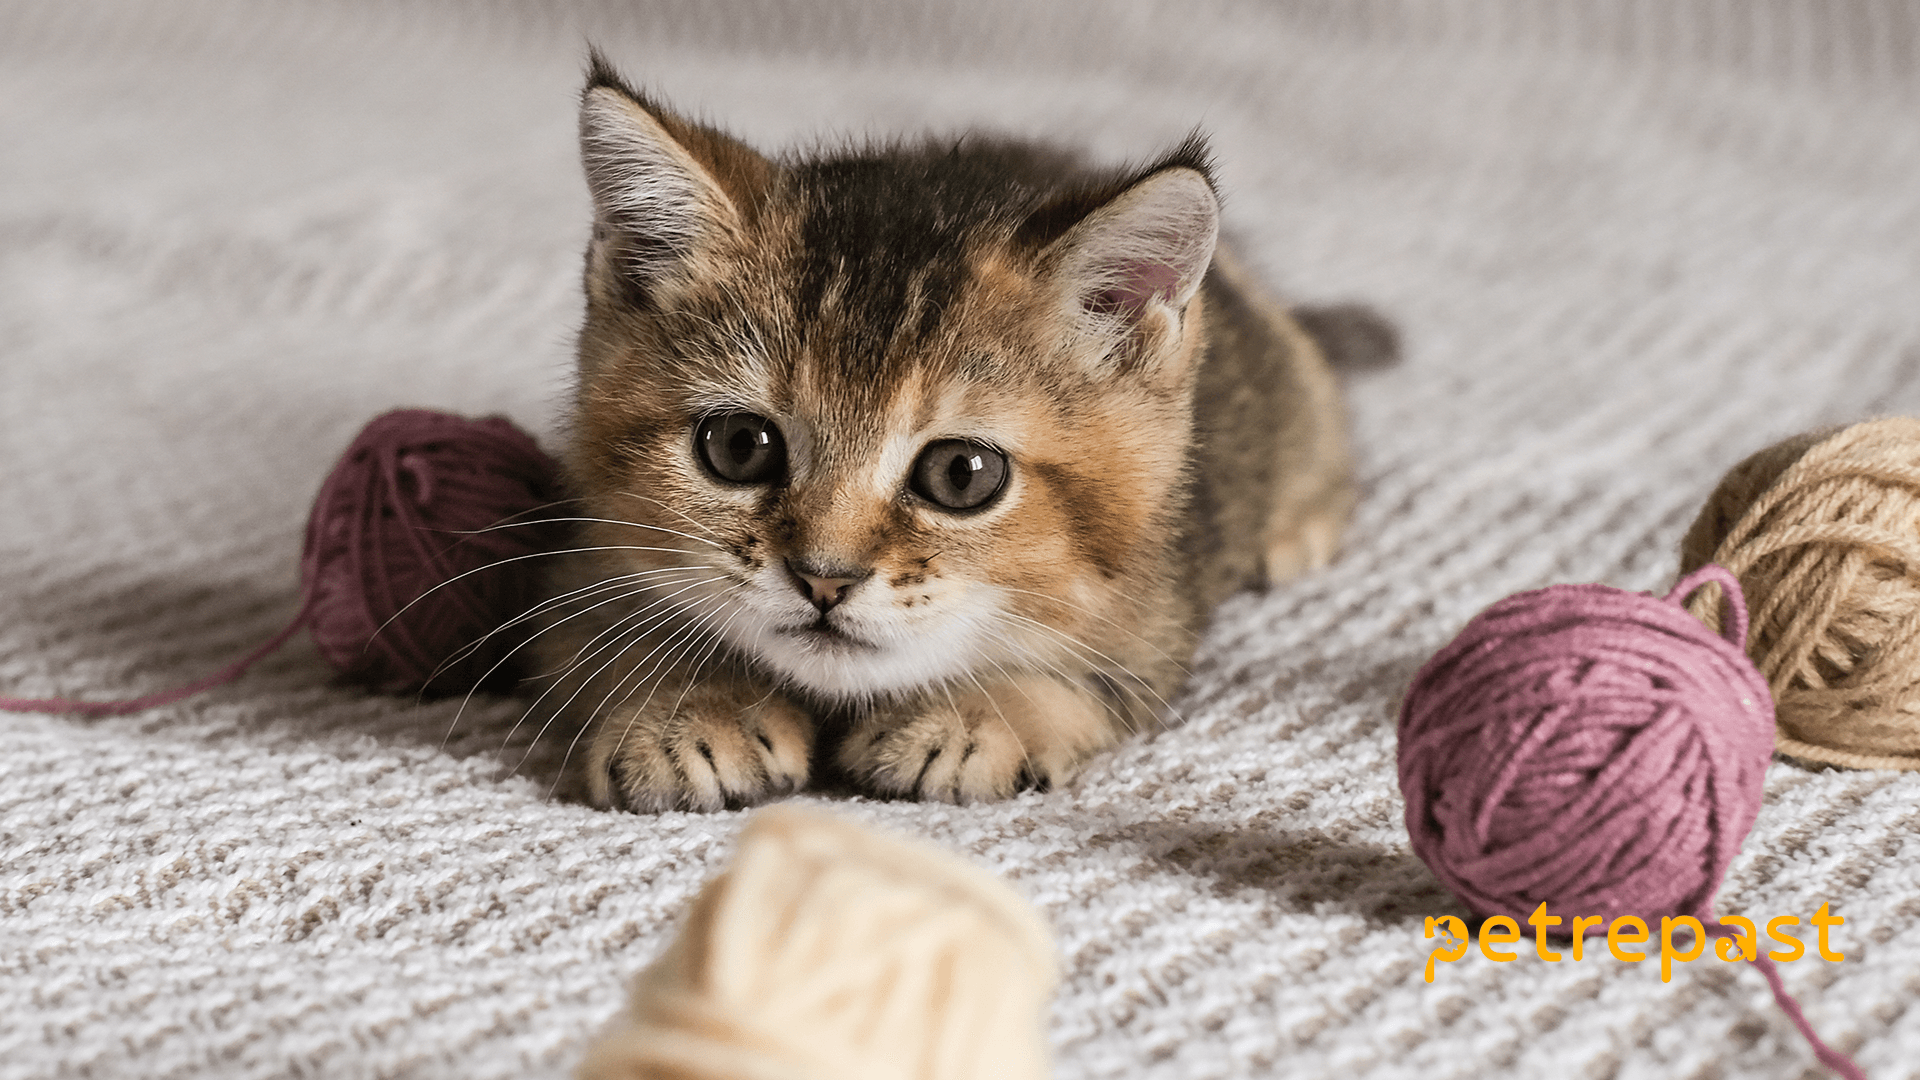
(824,586)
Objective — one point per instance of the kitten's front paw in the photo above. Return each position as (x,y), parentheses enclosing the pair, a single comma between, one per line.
(942,754)
(979,744)
(711,752)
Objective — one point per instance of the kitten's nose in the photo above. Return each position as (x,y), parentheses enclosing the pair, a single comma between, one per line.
(824,586)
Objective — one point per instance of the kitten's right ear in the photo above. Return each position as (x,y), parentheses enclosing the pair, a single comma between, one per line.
(664,189)
(1129,266)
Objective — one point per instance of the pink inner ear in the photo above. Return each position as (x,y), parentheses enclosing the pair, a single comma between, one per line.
(1135,283)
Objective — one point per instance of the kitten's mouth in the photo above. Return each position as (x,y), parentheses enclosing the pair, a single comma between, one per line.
(823,633)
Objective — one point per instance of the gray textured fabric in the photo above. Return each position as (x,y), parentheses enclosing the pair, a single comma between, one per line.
(1626,243)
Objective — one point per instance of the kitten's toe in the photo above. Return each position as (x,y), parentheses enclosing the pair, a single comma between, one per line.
(704,759)
(939,756)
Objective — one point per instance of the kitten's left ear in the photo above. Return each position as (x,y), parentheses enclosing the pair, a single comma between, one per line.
(667,187)
(1127,270)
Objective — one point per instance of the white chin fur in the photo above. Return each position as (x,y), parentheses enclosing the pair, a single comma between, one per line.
(846,671)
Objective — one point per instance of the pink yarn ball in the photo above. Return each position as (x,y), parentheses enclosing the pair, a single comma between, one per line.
(1597,750)
(420,550)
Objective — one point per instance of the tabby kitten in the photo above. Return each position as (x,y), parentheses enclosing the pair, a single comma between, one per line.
(936,454)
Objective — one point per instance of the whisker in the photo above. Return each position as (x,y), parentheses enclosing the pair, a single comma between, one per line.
(466,650)
(1078,645)
(701,621)
(623,585)
(947,689)
(687,584)
(519,558)
(1119,680)
(582,656)
(690,519)
(673,642)
(591,521)
(1084,610)
(544,606)
(588,725)
(1025,754)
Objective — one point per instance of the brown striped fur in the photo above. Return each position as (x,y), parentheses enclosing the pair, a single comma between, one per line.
(1170,438)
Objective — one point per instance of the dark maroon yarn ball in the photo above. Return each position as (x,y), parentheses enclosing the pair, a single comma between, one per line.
(423,549)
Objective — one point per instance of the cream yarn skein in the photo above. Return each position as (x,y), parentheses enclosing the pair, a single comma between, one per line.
(1823,531)
(832,952)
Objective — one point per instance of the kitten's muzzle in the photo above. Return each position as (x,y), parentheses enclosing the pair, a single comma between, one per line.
(825,586)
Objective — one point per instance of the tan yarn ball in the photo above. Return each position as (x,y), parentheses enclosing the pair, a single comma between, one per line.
(1823,531)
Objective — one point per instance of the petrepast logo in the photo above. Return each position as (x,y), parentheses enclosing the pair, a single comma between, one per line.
(1627,931)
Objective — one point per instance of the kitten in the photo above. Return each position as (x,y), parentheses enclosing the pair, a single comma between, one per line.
(938,454)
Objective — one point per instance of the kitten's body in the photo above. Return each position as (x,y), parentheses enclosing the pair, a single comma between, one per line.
(796,380)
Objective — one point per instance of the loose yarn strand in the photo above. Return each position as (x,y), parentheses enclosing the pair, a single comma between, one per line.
(124,706)
(1831,1058)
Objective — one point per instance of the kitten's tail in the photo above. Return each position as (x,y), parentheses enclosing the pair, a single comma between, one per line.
(1353,337)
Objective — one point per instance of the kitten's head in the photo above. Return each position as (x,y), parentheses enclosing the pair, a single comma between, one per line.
(883,418)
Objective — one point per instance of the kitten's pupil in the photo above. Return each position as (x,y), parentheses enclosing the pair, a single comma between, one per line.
(744,445)
(960,473)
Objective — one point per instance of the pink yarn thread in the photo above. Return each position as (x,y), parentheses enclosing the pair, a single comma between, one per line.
(416,560)
(1595,750)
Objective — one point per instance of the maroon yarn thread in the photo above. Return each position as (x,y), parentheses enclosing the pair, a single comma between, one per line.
(1595,750)
(417,559)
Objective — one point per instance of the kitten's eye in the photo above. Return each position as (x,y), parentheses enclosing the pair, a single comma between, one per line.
(959,474)
(741,448)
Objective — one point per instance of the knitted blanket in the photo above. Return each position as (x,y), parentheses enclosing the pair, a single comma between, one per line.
(1625,244)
